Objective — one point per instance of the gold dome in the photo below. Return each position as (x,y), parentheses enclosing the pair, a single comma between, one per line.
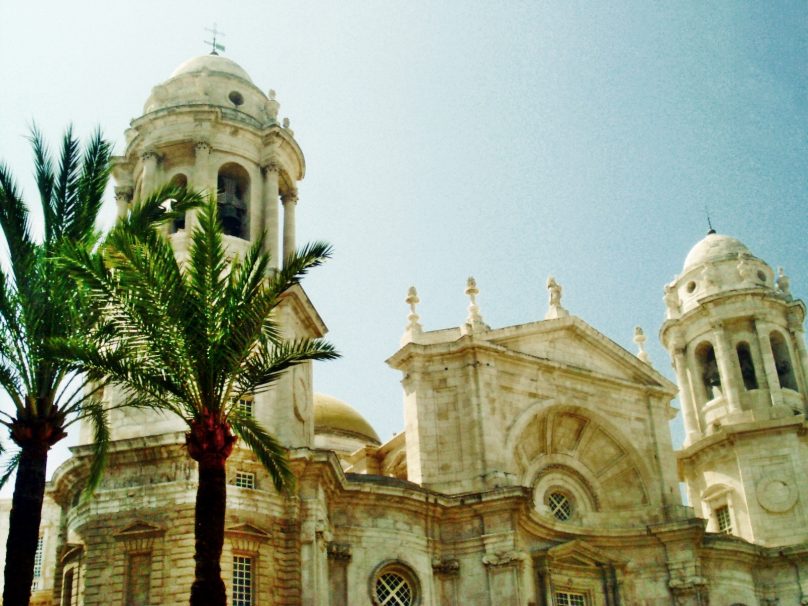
(335,416)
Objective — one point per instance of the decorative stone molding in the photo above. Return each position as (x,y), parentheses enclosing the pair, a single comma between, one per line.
(776,494)
(446,566)
(505,558)
(340,552)
(690,591)
(139,536)
(246,537)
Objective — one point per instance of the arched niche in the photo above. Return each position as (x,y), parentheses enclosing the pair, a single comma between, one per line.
(708,369)
(782,361)
(585,455)
(179,180)
(747,365)
(233,198)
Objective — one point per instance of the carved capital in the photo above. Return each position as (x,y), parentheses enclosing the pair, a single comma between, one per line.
(150,155)
(340,552)
(124,193)
(289,197)
(272,166)
(202,147)
(446,566)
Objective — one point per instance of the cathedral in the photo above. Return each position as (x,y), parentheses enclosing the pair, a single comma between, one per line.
(535,466)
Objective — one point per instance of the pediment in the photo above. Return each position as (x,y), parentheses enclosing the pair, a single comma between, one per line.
(572,343)
(138,528)
(248,530)
(581,553)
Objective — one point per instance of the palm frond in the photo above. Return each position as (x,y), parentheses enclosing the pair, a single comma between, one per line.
(16,230)
(269,361)
(269,451)
(95,171)
(95,412)
(10,468)
(43,171)
(66,202)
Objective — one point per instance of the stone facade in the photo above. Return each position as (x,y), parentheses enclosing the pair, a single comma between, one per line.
(535,466)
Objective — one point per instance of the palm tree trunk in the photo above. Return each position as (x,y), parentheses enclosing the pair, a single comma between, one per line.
(23,526)
(208,588)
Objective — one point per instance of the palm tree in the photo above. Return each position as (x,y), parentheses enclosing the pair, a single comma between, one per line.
(192,338)
(39,302)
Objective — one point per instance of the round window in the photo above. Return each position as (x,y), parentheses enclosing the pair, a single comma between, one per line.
(761,276)
(394,585)
(236,98)
(691,286)
(560,505)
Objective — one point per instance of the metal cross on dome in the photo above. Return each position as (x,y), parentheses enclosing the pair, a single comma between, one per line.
(213,44)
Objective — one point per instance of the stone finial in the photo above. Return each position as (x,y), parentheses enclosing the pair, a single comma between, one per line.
(413,328)
(412,300)
(639,340)
(272,106)
(555,310)
(671,300)
(783,283)
(286,124)
(474,321)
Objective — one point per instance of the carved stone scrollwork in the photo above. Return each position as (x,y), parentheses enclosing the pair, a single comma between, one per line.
(339,551)
(506,558)
(446,566)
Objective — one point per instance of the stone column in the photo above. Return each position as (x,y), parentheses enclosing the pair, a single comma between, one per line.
(149,179)
(689,413)
(289,202)
(768,361)
(271,172)
(123,198)
(798,339)
(200,179)
(729,378)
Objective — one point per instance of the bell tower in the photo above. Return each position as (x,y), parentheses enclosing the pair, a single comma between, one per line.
(735,336)
(211,128)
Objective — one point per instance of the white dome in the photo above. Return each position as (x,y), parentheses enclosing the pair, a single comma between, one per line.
(714,247)
(212,63)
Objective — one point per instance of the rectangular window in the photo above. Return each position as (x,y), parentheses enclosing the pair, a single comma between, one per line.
(38,557)
(724,520)
(246,406)
(38,563)
(245,479)
(564,598)
(242,581)
(138,579)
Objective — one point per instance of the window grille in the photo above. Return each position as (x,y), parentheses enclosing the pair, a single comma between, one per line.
(245,479)
(246,406)
(724,520)
(242,581)
(392,589)
(560,505)
(37,563)
(564,598)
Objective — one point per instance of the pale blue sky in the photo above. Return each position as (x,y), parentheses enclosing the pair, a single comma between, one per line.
(504,140)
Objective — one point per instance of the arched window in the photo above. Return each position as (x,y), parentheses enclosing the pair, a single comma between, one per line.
(782,362)
(394,584)
(67,588)
(708,367)
(747,366)
(233,185)
(179,180)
